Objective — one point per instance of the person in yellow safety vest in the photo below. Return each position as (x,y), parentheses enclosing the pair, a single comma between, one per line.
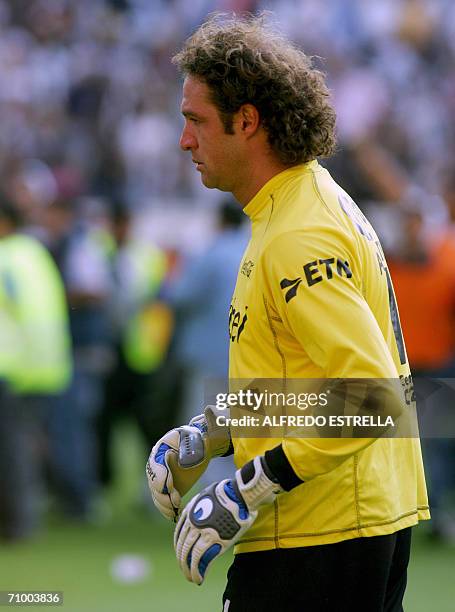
(9,345)
(141,327)
(33,312)
(9,329)
(140,323)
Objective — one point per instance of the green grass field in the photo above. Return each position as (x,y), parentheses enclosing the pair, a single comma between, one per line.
(77,559)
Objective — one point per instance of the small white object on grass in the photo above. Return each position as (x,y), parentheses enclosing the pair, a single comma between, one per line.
(130,569)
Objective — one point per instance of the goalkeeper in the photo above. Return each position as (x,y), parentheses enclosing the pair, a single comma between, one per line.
(320,524)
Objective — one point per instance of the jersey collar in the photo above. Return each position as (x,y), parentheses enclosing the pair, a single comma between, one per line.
(257,204)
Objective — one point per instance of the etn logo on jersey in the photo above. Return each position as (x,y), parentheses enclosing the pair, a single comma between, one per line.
(315,272)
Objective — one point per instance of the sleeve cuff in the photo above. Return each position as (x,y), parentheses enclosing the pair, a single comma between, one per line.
(279,465)
(230,450)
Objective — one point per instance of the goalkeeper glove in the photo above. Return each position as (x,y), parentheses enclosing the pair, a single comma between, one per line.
(181,456)
(218,516)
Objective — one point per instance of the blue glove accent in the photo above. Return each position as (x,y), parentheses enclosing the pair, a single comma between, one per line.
(160,458)
(200,538)
(201,426)
(161,452)
(197,515)
(208,556)
(230,492)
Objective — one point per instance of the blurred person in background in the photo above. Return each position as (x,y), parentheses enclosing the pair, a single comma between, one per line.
(34,297)
(425,286)
(16,519)
(423,270)
(140,330)
(200,297)
(79,246)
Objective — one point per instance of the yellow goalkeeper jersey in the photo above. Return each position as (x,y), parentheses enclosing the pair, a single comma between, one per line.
(314,299)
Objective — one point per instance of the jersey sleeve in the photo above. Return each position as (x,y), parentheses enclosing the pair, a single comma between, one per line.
(314,281)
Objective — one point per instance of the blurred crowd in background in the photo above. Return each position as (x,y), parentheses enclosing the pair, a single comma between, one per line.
(117,266)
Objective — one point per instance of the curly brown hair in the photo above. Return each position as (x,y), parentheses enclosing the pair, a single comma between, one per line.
(244,60)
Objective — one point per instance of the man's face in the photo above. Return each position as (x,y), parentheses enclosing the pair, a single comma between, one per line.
(217,155)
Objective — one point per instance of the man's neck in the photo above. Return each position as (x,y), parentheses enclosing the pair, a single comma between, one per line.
(256,178)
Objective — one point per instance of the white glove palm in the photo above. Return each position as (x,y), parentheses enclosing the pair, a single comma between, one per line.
(168,479)
(159,474)
(217,517)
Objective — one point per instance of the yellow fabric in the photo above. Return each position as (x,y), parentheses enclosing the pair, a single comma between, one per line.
(337,323)
(38,304)
(9,328)
(148,332)
(148,336)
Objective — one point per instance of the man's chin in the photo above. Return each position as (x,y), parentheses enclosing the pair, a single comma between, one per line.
(210,184)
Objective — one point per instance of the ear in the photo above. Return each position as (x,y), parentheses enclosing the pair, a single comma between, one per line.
(249,120)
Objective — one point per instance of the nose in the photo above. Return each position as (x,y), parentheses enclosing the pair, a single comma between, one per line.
(187,140)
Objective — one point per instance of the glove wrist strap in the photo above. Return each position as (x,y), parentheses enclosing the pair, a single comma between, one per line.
(256,483)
